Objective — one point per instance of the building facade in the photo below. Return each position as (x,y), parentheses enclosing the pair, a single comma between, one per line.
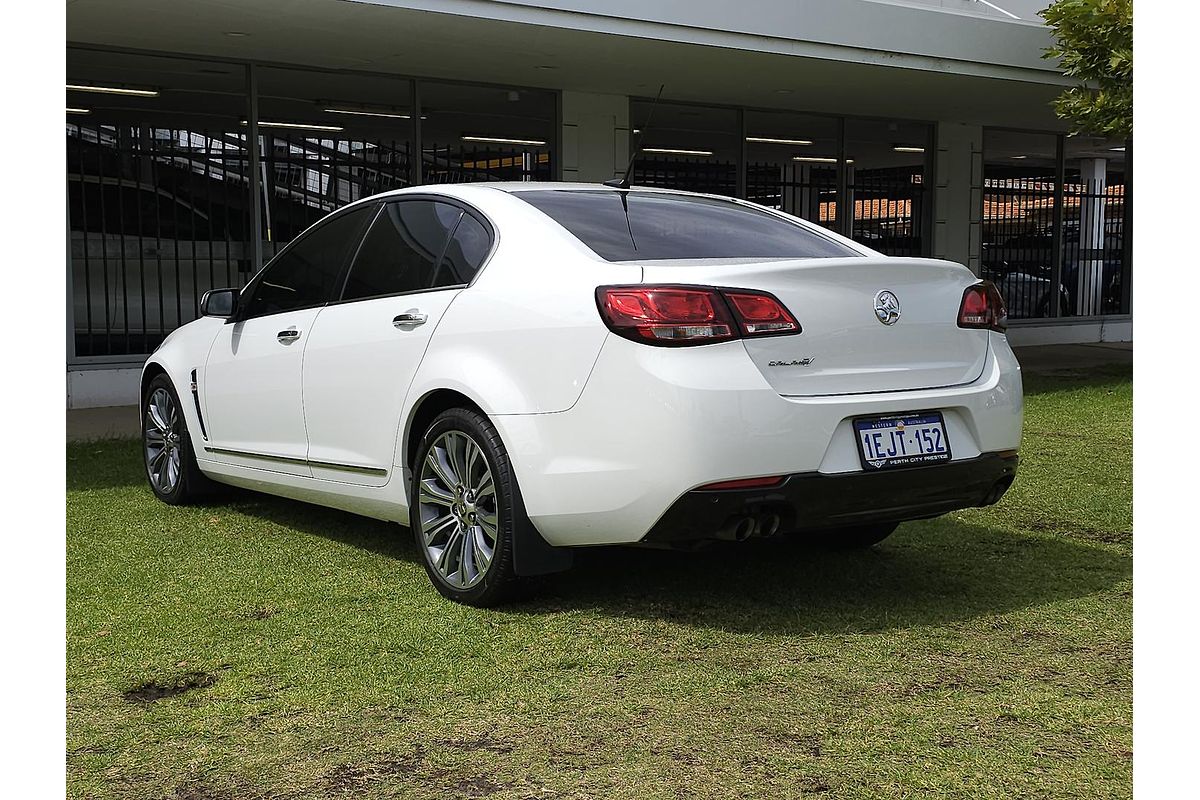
(203,136)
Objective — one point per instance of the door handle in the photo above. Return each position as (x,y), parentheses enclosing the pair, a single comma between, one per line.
(288,336)
(410,317)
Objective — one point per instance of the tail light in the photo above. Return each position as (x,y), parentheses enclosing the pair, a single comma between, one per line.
(687,315)
(983,307)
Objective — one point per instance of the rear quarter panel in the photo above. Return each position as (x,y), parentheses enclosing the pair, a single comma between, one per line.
(523,338)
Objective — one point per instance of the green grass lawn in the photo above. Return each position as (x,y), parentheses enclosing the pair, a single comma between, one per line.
(984,654)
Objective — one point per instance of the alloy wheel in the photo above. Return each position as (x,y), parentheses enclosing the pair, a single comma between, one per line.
(458,510)
(163,442)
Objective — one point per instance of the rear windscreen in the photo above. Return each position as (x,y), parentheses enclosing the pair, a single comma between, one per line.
(632,225)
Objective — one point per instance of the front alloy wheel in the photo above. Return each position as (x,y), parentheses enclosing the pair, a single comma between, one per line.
(167,451)
(162,442)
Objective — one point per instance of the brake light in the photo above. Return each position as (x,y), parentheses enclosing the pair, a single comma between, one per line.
(687,315)
(983,307)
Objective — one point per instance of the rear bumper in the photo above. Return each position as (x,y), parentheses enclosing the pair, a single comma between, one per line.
(813,501)
(655,423)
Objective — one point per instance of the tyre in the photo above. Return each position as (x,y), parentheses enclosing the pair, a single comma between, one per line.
(464,509)
(167,450)
(856,538)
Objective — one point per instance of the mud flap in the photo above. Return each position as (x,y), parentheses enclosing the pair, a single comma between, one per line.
(532,555)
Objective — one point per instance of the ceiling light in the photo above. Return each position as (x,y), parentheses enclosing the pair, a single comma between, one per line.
(363,113)
(819,159)
(677,151)
(766,140)
(78,87)
(302,126)
(1116,149)
(1018,156)
(904,148)
(236,34)
(503,140)
(78,110)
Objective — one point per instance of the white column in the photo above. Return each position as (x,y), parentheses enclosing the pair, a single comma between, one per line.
(1089,282)
(958,193)
(595,136)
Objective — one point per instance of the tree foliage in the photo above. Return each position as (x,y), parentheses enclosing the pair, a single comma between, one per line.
(1094,44)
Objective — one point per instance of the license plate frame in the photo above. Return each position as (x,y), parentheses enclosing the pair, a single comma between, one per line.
(931,419)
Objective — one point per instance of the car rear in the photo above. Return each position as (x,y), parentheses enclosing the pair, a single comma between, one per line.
(755,382)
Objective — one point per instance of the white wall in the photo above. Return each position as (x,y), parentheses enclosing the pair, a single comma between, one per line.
(97,388)
(595,136)
(1071,331)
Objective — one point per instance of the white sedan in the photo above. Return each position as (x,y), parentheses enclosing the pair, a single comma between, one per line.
(515,370)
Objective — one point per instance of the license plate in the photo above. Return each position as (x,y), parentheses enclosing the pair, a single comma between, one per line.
(904,440)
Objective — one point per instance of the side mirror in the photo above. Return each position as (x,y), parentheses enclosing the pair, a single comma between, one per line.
(219,303)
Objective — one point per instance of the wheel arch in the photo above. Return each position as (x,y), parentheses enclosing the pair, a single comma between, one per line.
(149,372)
(423,412)
(532,554)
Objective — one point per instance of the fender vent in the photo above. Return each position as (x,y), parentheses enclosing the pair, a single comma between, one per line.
(196,400)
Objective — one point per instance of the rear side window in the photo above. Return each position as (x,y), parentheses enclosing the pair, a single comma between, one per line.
(464,256)
(402,250)
(303,275)
(628,226)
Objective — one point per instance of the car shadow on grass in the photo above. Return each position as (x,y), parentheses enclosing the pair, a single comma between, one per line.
(928,573)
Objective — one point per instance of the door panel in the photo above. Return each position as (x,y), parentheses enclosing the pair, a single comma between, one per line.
(253,394)
(365,350)
(357,369)
(252,389)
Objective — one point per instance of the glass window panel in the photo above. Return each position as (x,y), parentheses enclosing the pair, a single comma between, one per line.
(158,195)
(465,254)
(1018,219)
(486,133)
(685,147)
(1093,237)
(888,184)
(303,275)
(792,164)
(627,226)
(328,139)
(402,249)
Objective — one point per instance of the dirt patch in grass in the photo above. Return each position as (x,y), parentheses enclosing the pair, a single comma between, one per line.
(353,778)
(1080,531)
(155,690)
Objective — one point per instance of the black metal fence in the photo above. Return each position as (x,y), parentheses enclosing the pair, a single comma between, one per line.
(1022,226)
(457,164)
(689,174)
(157,217)
(890,213)
(807,191)
(306,177)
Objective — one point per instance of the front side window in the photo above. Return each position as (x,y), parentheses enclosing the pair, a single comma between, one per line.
(402,250)
(303,275)
(644,226)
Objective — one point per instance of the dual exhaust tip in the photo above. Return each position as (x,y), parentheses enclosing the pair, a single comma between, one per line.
(740,528)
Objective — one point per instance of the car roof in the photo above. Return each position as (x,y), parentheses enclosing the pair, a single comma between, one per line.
(465,190)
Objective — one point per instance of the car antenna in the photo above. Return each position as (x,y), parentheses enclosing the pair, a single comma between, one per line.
(623,181)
